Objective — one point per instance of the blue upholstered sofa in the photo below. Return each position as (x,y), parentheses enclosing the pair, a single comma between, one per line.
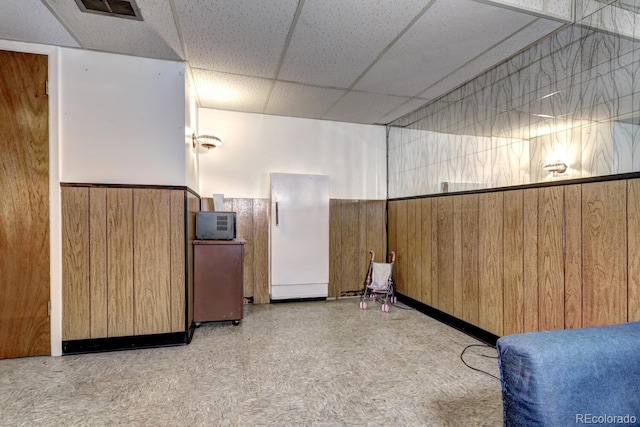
(571,377)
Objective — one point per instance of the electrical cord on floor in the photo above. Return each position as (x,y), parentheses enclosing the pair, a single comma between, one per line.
(483,355)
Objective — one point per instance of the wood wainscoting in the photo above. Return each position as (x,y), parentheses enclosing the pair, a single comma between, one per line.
(355,228)
(252,224)
(126,261)
(523,260)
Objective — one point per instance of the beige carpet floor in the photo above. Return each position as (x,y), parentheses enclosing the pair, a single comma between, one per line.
(291,364)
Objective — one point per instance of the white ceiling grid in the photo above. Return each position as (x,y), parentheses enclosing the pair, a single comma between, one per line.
(361,61)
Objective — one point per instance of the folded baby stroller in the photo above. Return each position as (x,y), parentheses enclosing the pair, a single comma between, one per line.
(379,284)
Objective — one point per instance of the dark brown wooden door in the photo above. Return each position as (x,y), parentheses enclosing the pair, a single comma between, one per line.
(24,206)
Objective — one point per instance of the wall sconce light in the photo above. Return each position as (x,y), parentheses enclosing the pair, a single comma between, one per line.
(206,141)
(557,167)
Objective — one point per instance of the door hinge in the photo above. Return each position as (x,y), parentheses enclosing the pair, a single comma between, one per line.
(49,309)
(46,87)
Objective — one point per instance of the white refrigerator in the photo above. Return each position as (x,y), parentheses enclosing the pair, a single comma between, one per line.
(299,235)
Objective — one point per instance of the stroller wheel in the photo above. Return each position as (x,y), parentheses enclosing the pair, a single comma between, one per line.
(363,305)
(372,297)
(385,308)
(394,300)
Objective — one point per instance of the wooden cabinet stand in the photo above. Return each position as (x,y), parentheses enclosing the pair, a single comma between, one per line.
(218,280)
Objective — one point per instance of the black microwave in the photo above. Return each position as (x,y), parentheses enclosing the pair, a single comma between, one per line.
(215,225)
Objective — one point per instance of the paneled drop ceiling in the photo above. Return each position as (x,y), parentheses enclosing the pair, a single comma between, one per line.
(360,61)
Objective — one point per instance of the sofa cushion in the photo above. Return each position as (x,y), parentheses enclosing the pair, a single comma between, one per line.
(571,376)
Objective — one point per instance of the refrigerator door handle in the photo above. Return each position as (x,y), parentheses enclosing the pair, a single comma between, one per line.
(277,215)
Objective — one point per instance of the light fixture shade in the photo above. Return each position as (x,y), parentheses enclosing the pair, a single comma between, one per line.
(208,141)
(558,167)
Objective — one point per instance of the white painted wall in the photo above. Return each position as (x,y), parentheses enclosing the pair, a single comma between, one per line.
(122,119)
(190,127)
(353,155)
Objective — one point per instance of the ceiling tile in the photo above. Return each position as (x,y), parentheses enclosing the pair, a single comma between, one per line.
(562,8)
(291,99)
(43,27)
(236,36)
(154,37)
(231,91)
(362,107)
(406,108)
(525,4)
(335,40)
(495,55)
(450,34)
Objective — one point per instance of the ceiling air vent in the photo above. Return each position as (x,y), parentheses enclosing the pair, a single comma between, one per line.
(118,8)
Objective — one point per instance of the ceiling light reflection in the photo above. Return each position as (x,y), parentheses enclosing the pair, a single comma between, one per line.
(218,93)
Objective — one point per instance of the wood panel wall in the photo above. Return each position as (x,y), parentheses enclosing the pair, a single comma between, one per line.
(99,293)
(123,261)
(530,264)
(523,260)
(513,280)
(604,253)
(426,254)
(550,258)
(193,206)
(444,254)
(76,304)
(573,257)
(346,271)
(633,256)
(470,232)
(414,247)
(252,224)
(402,254)
(490,262)
(120,256)
(355,228)
(151,247)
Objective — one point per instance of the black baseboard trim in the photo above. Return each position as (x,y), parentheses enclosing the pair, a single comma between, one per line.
(454,322)
(127,343)
(277,301)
